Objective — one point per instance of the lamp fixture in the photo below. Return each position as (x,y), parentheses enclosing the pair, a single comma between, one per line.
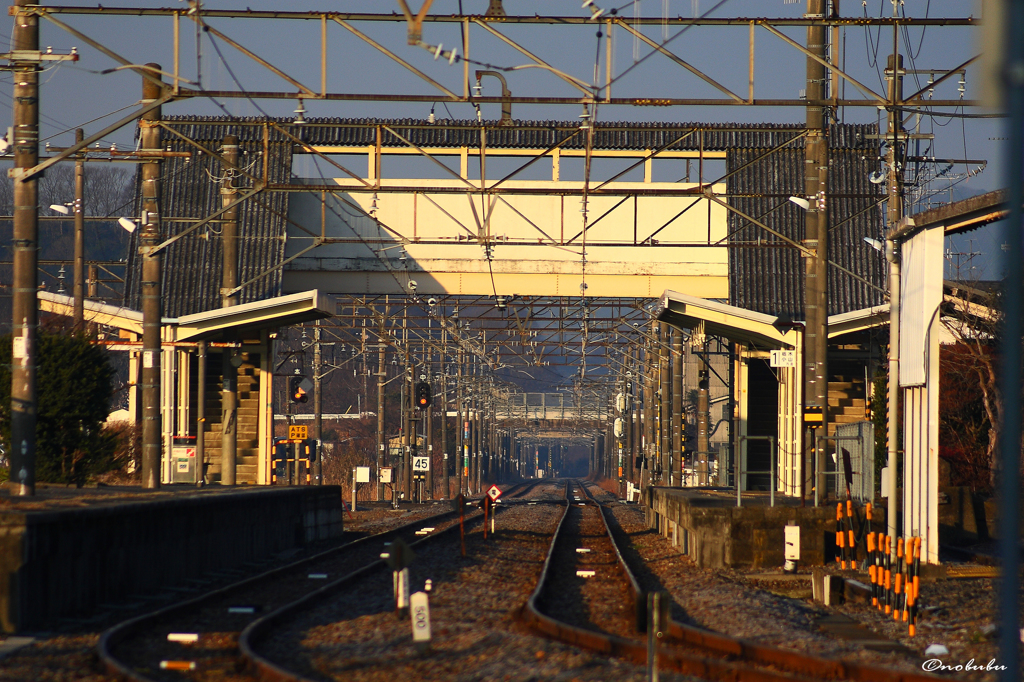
(60,208)
(876,244)
(801,202)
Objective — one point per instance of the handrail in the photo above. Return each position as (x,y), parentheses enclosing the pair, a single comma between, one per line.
(740,471)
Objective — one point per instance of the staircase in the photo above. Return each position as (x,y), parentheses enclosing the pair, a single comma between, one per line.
(247,459)
(846,401)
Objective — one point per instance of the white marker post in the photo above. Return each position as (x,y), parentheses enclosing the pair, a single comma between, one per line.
(420,606)
(402,589)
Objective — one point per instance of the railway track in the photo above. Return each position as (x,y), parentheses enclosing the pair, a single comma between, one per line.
(592,624)
(556,550)
(348,632)
(140,648)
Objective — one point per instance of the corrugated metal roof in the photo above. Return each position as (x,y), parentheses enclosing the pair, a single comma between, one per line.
(543,134)
(190,189)
(361,132)
(770,278)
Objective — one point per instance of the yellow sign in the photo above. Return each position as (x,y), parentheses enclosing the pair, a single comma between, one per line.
(298,432)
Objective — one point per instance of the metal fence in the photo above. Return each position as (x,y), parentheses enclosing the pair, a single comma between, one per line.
(857,440)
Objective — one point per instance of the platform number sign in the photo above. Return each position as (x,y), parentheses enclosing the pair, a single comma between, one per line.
(421,464)
(783,358)
(494,493)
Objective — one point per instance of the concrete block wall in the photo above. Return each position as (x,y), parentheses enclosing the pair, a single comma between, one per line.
(66,563)
(723,536)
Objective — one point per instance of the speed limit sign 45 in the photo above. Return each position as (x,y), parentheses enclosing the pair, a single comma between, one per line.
(421,464)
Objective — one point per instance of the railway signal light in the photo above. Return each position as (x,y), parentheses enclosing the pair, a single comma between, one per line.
(297,389)
(423,395)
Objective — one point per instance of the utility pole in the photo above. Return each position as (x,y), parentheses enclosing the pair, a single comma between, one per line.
(430,439)
(229,228)
(816,237)
(460,457)
(381,367)
(445,490)
(201,412)
(152,308)
(703,418)
(78,314)
(650,405)
(677,407)
(665,413)
(229,280)
(25,322)
(894,73)
(318,404)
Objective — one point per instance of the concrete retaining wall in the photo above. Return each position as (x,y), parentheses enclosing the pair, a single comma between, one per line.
(65,563)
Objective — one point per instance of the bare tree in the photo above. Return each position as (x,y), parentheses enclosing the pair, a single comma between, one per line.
(974,318)
(109,190)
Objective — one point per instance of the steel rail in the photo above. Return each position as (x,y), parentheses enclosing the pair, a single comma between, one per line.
(745,660)
(266,669)
(125,629)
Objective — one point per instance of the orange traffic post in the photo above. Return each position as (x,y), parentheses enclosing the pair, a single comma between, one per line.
(840,539)
(897,592)
(871,569)
(852,538)
(888,574)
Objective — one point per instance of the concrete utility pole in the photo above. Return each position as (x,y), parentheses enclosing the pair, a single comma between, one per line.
(650,405)
(665,415)
(460,421)
(381,367)
(318,404)
(677,407)
(200,412)
(229,280)
(152,308)
(446,489)
(816,237)
(703,420)
(894,72)
(25,38)
(430,445)
(229,228)
(78,312)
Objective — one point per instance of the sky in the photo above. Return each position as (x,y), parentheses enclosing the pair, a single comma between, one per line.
(79,94)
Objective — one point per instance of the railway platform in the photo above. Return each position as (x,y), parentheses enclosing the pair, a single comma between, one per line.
(716,533)
(66,552)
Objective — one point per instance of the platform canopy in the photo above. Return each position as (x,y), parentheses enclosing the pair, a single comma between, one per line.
(720,319)
(237,321)
(94,312)
(858,320)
